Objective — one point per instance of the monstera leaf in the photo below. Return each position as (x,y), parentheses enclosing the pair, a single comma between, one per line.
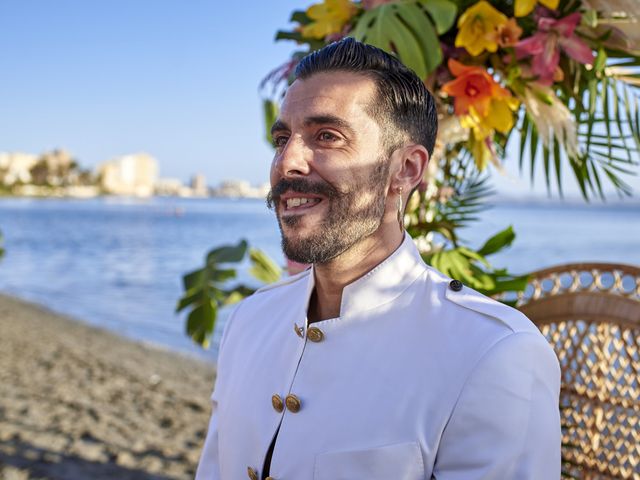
(410,30)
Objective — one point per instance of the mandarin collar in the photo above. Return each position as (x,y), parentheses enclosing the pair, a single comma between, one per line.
(382,284)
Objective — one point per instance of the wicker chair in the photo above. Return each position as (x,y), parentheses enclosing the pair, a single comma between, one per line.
(590,313)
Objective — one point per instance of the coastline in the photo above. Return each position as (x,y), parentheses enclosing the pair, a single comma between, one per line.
(80,402)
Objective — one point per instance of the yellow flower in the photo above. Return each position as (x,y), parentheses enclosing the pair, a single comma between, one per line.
(482,152)
(478,28)
(329,17)
(480,140)
(499,117)
(525,7)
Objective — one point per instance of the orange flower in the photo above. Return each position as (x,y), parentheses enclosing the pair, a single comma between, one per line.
(509,33)
(483,106)
(472,87)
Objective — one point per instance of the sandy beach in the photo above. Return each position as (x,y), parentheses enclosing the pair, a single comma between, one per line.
(77,402)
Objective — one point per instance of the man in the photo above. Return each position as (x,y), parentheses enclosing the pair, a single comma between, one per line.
(372,365)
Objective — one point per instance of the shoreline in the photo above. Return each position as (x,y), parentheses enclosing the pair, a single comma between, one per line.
(78,402)
(509,198)
(196,354)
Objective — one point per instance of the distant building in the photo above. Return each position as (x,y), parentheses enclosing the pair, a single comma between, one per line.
(15,168)
(240,189)
(199,185)
(134,175)
(170,187)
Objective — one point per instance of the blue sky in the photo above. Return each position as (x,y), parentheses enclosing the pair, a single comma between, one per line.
(178,80)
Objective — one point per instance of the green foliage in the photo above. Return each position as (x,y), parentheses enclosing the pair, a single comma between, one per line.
(410,30)
(472,267)
(206,289)
(1,248)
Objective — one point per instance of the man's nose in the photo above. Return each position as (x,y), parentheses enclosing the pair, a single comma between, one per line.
(294,158)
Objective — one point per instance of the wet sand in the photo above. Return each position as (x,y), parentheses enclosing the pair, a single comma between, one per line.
(77,402)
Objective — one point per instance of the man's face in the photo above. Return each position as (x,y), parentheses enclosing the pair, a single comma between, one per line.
(329,175)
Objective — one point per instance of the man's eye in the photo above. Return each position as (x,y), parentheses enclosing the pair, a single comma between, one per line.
(327,137)
(280,141)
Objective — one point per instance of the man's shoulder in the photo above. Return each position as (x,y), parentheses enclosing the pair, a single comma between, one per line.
(469,303)
(482,324)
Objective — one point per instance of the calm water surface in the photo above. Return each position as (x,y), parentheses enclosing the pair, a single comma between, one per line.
(117,263)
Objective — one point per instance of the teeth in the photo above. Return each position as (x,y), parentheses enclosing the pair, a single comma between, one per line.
(296,202)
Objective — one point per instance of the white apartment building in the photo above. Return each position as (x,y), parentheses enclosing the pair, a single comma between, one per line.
(134,175)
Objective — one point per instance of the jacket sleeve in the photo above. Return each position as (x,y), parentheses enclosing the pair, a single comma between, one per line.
(506,422)
(209,465)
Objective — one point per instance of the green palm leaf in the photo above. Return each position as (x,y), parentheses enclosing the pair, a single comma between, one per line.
(608,133)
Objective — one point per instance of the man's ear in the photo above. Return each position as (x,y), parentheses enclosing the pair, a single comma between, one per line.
(413,161)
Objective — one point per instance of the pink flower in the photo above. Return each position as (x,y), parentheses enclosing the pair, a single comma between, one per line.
(545,45)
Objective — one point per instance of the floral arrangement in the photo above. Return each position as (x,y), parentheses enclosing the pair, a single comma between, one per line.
(552,69)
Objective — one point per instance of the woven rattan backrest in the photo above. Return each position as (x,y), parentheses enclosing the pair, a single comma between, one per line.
(590,313)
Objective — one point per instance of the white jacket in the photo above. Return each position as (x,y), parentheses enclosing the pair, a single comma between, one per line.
(414,380)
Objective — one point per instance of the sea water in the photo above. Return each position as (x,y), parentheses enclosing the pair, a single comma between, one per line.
(118,263)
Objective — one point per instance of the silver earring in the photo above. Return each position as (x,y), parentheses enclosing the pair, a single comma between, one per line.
(400,211)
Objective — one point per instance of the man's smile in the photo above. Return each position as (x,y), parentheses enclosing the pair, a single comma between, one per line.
(294,202)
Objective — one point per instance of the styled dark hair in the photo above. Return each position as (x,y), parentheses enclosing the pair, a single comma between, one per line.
(403,107)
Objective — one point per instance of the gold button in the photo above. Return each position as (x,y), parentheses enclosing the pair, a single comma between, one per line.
(315,334)
(253,475)
(293,403)
(299,330)
(269,478)
(276,401)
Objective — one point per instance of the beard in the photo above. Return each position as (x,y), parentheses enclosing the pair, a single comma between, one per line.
(347,220)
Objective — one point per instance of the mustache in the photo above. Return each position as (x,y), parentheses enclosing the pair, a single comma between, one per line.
(300,185)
